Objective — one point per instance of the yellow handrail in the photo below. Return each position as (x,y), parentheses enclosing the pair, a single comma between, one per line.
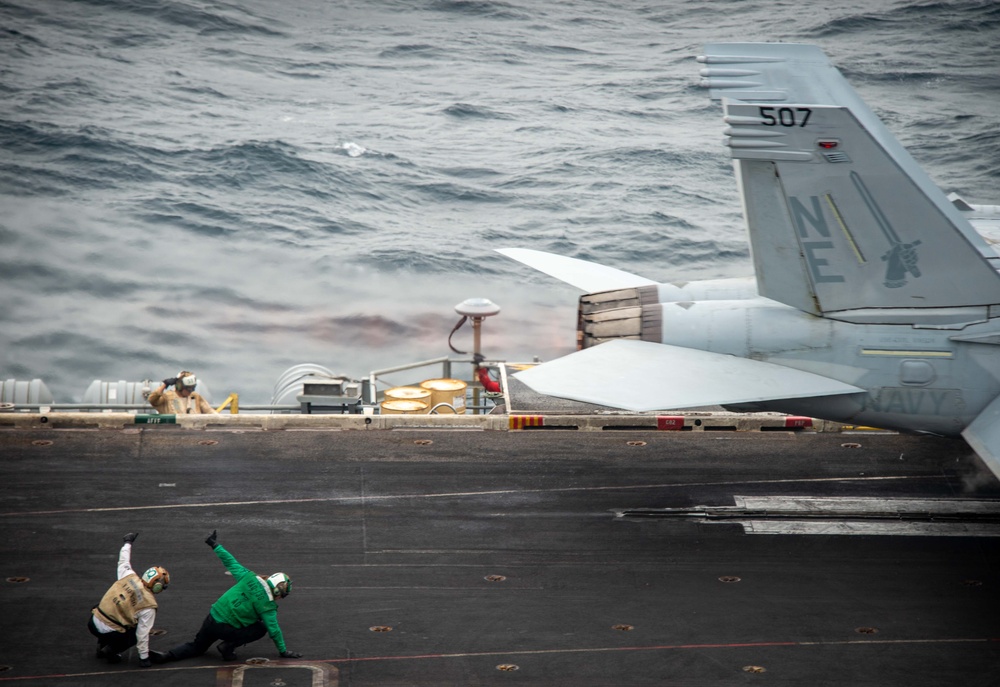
(233,401)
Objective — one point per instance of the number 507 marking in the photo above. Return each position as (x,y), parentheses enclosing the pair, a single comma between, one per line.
(785,116)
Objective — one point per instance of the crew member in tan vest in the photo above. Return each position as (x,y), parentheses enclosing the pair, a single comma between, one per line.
(183,400)
(126,614)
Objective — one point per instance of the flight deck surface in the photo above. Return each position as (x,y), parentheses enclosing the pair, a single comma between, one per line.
(464,557)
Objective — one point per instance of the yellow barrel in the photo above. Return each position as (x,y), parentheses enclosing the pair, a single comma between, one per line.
(408,393)
(450,391)
(403,406)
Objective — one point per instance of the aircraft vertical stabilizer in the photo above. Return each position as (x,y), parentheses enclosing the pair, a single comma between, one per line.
(840,217)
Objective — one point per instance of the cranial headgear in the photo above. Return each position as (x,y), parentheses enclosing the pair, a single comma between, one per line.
(156,579)
(279,584)
(186,380)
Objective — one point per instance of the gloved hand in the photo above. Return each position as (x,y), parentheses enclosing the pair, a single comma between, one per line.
(210,540)
(477,359)
(145,662)
(290,654)
(130,537)
(170,381)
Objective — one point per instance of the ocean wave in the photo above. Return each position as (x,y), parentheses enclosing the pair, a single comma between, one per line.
(63,161)
(907,23)
(202,17)
(413,49)
(973,16)
(490,9)
(468,111)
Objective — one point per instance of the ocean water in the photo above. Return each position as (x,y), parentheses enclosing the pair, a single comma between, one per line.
(238,187)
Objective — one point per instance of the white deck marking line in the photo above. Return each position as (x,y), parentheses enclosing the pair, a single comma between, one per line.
(816,507)
(866,504)
(869,529)
(462,494)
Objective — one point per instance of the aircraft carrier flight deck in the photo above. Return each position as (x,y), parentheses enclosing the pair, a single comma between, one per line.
(473,554)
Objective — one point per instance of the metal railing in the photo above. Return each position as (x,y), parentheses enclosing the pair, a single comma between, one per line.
(479,402)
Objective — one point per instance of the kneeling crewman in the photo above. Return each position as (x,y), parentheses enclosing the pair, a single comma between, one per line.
(241,615)
(127,612)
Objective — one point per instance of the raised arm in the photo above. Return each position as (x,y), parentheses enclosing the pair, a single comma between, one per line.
(125,555)
(232,565)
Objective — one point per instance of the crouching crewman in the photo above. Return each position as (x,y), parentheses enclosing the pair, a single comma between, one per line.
(242,615)
(127,612)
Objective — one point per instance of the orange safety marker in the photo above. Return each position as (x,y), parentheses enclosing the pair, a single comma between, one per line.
(522,421)
(670,422)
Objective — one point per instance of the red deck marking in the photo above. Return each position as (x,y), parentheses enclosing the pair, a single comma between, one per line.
(798,421)
(670,422)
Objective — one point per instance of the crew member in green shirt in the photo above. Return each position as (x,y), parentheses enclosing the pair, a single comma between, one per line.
(241,615)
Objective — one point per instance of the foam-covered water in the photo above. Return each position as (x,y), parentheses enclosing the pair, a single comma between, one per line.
(238,187)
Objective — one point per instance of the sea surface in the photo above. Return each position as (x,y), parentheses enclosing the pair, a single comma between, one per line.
(238,187)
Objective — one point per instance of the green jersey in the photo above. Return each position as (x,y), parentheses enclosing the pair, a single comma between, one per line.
(247,601)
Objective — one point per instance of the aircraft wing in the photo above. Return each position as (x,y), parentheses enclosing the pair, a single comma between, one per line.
(588,276)
(983,435)
(643,376)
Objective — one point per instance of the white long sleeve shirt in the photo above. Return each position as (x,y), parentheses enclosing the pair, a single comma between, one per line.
(145,617)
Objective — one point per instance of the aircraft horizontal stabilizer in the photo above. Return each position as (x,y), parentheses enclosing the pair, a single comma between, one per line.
(644,376)
(983,435)
(588,276)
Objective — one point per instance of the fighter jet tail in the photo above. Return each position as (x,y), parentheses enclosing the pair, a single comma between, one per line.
(840,217)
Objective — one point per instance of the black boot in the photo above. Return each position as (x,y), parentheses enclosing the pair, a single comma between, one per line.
(108,655)
(228,651)
(158,656)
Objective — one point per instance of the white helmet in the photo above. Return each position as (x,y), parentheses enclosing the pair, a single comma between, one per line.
(186,380)
(280,585)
